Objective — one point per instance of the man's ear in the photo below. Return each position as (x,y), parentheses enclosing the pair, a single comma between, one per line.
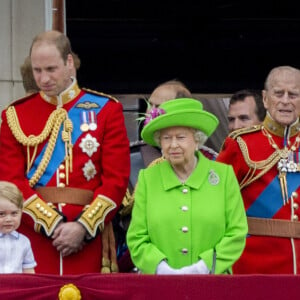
(70,61)
(264,98)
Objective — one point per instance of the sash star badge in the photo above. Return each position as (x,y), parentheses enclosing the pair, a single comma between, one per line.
(89,145)
(89,170)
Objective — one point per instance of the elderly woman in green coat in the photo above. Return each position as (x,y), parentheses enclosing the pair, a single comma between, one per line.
(188,216)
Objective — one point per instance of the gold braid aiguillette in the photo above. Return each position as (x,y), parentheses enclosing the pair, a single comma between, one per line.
(53,124)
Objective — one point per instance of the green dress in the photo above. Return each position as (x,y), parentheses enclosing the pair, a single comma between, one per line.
(184,223)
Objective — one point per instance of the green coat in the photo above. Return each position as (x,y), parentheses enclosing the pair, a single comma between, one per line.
(184,223)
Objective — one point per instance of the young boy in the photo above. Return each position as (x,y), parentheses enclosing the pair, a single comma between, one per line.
(16,255)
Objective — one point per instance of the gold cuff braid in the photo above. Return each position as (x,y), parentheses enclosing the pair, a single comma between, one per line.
(95,213)
(127,204)
(42,214)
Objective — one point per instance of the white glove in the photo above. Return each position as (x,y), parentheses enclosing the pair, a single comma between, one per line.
(196,268)
(164,269)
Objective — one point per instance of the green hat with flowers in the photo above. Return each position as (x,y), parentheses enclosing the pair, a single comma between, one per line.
(185,112)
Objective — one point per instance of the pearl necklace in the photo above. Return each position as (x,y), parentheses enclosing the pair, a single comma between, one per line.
(184,178)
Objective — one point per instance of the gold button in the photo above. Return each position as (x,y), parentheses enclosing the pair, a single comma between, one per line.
(295,205)
(294,194)
(61,167)
(295,218)
(61,185)
(62,175)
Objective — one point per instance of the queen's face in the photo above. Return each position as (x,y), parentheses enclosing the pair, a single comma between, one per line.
(178,145)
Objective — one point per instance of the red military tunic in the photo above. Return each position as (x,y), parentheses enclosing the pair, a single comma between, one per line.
(94,158)
(253,155)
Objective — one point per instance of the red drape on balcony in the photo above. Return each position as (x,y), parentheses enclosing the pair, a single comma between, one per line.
(152,287)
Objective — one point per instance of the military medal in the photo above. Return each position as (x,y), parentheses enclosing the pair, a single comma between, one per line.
(89,170)
(89,145)
(287,160)
(84,125)
(282,165)
(291,165)
(92,119)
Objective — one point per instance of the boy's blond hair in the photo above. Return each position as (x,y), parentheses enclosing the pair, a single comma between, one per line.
(11,192)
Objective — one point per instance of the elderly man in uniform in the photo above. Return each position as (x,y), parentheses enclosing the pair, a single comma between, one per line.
(67,150)
(266,162)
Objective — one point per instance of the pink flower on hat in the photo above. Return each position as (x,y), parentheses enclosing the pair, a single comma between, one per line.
(153,113)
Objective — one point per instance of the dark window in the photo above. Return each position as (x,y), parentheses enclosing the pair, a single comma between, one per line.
(212,46)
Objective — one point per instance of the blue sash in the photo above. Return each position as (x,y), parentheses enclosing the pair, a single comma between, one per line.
(269,202)
(58,156)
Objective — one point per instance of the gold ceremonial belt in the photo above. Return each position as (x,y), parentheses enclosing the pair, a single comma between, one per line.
(273,227)
(66,195)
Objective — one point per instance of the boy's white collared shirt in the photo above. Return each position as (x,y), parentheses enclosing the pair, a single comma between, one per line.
(15,253)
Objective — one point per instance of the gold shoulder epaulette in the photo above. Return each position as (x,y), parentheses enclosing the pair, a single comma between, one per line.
(100,94)
(156,161)
(244,130)
(20,100)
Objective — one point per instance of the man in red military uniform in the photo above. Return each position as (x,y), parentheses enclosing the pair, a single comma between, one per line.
(68,152)
(266,162)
